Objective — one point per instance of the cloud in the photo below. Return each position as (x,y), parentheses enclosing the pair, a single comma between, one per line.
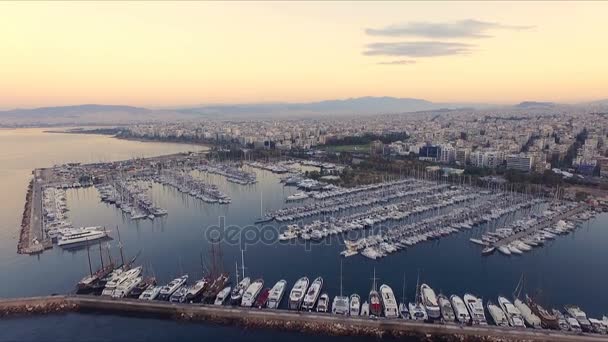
(398,62)
(469,28)
(418,49)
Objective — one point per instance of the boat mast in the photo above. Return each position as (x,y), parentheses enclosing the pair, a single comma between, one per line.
(101,255)
(340,278)
(417,287)
(243,262)
(403,299)
(122,257)
(236,271)
(89,257)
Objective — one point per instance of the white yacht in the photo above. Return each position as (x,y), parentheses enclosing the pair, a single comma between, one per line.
(388,300)
(298,196)
(529,317)
(323,304)
(312,294)
(296,296)
(252,293)
(276,294)
(77,237)
(355,304)
(460,309)
(447,312)
(513,314)
(150,293)
(125,287)
(429,299)
(498,316)
(123,277)
(169,289)
(475,306)
(221,297)
(196,290)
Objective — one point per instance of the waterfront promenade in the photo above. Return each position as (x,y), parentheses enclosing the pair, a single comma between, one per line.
(310,322)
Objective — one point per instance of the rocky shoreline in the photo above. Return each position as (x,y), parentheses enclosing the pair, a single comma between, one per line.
(28,307)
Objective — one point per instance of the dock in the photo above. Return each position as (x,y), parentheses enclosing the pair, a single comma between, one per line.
(309,322)
(553,221)
(31,236)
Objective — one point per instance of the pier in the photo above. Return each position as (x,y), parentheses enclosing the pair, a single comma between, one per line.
(31,236)
(507,240)
(310,322)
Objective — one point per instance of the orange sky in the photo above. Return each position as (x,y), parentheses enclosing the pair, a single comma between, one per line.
(170,54)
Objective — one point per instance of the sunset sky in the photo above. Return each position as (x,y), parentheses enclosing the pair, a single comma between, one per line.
(176,54)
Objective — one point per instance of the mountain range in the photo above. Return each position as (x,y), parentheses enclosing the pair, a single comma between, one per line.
(116,114)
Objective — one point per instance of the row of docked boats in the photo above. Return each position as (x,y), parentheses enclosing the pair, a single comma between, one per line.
(524,235)
(184,182)
(232,173)
(131,197)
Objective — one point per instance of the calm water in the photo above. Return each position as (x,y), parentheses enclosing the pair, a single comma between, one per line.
(571,269)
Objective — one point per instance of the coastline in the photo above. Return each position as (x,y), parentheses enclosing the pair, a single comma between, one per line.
(116,136)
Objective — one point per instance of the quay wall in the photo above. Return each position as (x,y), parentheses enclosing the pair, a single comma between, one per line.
(312,323)
(24,235)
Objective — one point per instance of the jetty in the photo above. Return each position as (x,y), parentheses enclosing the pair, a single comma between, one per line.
(310,322)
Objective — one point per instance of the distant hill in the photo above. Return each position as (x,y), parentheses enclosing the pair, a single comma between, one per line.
(534,104)
(352,106)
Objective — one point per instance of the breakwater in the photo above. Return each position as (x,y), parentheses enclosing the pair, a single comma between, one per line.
(306,322)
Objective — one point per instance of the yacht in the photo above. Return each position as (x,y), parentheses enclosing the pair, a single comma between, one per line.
(475,306)
(513,314)
(169,289)
(298,196)
(276,294)
(460,309)
(388,300)
(122,277)
(573,324)
(529,317)
(196,291)
(561,320)
(125,287)
(297,294)
(403,311)
(252,293)
(179,296)
(365,309)
(447,312)
(262,299)
(498,316)
(79,237)
(150,293)
(312,294)
(221,297)
(239,290)
(323,304)
(355,304)
(430,302)
(580,316)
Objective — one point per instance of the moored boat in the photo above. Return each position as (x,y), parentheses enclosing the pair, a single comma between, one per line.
(447,312)
(475,306)
(169,289)
(312,294)
(276,294)
(260,302)
(429,299)
(179,296)
(196,291)
(580,316)
(388,301)
(221,297)
(355,304)
(513,314)
(239,290)
(460,309)
(252,292)
(323,303)
(365,309)
(530,318)
(498,316)
(297,293)
(548,319)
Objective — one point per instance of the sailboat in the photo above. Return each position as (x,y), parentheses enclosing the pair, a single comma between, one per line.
(239,290)
(375,306)
(92,282)
(417,311)
(403,310)
(263,217)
